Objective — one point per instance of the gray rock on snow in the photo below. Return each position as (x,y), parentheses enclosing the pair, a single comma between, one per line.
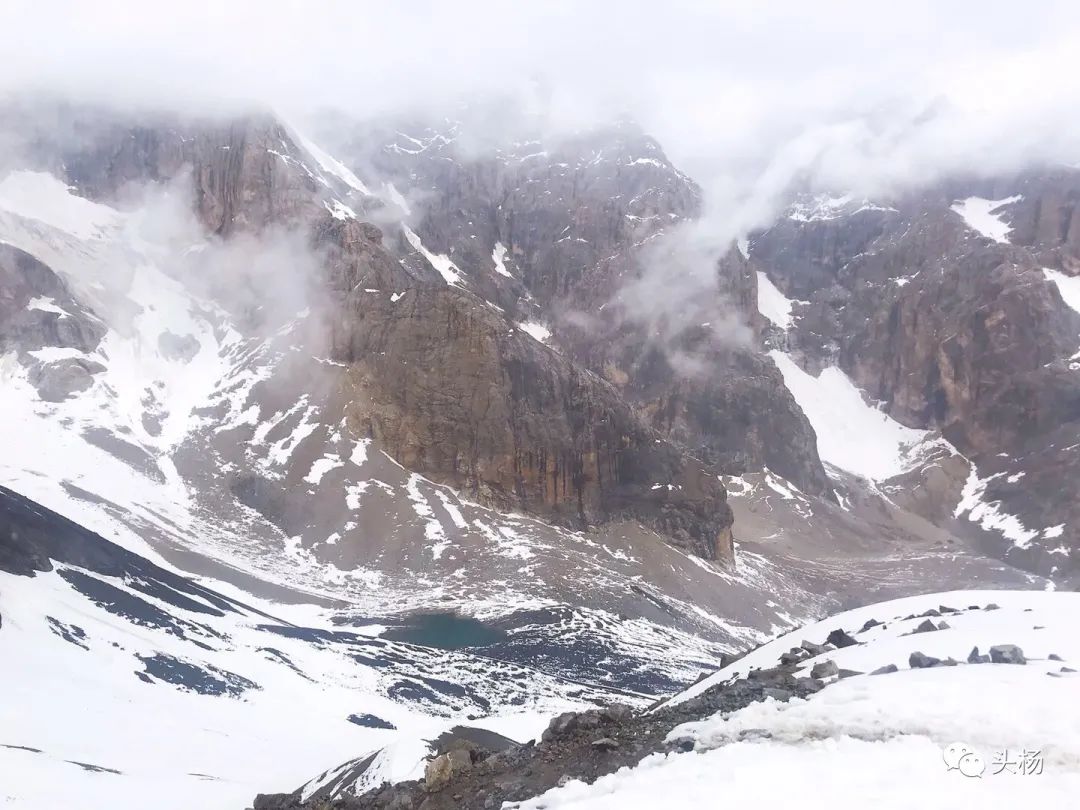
(794,656)
(886,670)
(60,379)
(727,659)
(840,639)
(813,649)
(825,669)
(975,658)
(1007,654)
(918,660)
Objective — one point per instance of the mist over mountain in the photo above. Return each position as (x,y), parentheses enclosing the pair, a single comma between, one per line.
(401,405)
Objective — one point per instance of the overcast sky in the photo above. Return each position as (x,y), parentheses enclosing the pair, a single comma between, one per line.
(865,95)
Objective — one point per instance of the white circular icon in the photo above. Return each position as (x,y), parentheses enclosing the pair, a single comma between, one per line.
(952,754)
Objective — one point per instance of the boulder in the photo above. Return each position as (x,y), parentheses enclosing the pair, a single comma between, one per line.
(617,713)
(918,660)
(886,670)
(727,659)
(813,649)
(825,669)
(441,770)
(794,656)
(839,639)
(1007,654)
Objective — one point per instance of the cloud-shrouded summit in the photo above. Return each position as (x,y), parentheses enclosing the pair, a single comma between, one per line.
(749,99)
(864,94)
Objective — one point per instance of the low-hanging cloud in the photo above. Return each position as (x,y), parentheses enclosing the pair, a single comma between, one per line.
(747,98)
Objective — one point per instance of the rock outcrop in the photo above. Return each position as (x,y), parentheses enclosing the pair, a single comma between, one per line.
(49,331)
(454,392)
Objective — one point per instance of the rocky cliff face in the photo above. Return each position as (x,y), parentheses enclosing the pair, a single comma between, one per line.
(555,233)
(245,173)
(939,308)
(432,368)
(450,391)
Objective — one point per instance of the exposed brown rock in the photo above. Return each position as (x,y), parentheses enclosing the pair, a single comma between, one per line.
(454,392)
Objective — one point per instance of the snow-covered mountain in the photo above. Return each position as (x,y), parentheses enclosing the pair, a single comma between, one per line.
(301,443)
(953,312)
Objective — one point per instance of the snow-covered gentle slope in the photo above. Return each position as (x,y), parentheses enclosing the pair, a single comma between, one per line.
(851,435)
(772,303)
(946,737)
(981,215)
(125,686)
(1021,612)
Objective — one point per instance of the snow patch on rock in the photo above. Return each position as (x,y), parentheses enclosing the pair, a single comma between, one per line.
(851,434)
(981,215)
(989,514)
(1068,286)
(772,303)
(535,330)
(442,264)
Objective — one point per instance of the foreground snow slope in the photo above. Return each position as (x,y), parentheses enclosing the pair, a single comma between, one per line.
(881,740)
(121,679)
